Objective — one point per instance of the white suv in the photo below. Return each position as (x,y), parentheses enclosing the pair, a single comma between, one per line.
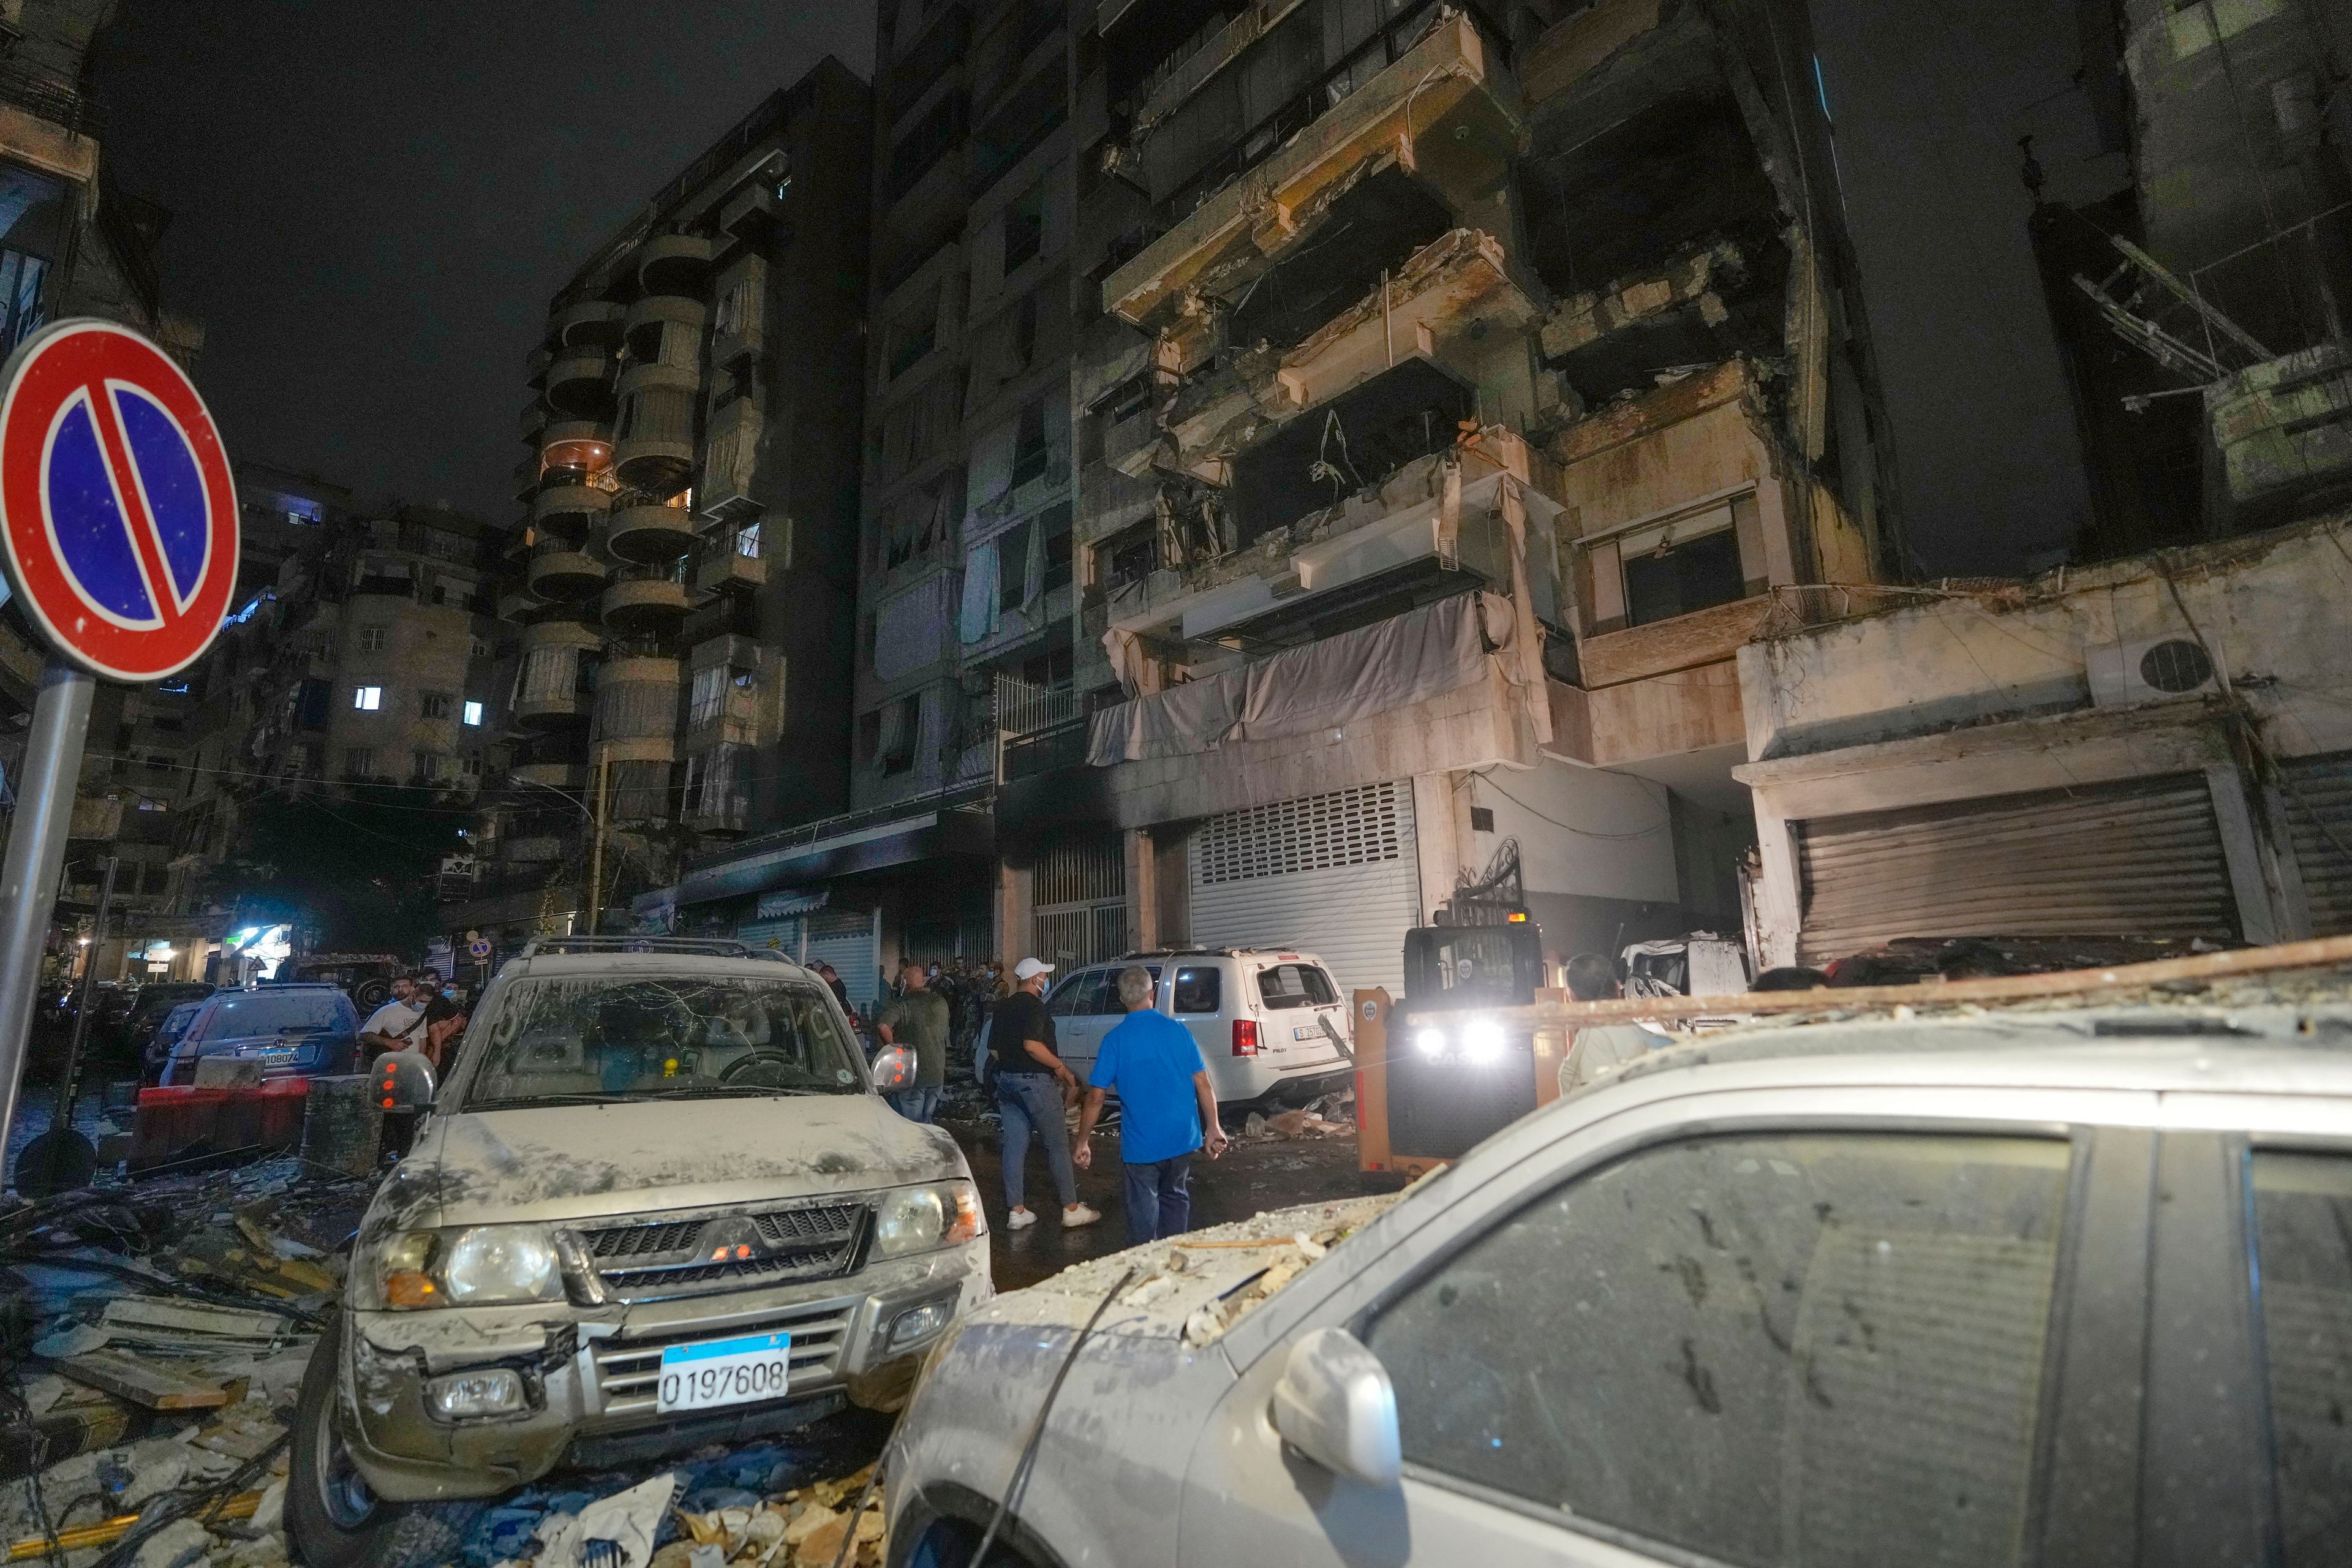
(1272,1026)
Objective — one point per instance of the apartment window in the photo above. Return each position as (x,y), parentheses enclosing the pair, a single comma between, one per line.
(1012,567)
(1672,568)
(471,765)
(1024,227)
(480,647)
(747,542)
(914,336)
(473,715)
(367,699)
(1126,558)
(436,704)
(895,742)
(733,307)
(709,696)
(373,638)
(360,761)
(1029,449)
(36,205)
(428,765)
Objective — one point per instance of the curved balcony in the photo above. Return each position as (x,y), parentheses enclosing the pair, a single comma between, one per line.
(560,571)
(650,534)
(580,382)
(591,323)
(633,606)
(526,478)
(674,264)
(548,694)
(570,509)
(663,328)
(553,775)
(656,450)
(575,446)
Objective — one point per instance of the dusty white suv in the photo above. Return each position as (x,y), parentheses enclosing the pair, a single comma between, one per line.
(1271,1025)
(659,1203)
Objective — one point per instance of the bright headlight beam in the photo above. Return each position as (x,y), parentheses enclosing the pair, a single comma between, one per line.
(1482,1040)
(1431,1042)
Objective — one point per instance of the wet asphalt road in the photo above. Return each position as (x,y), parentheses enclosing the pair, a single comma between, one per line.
(1250,1177)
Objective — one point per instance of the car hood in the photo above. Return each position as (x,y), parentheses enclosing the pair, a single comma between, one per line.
(581,1162)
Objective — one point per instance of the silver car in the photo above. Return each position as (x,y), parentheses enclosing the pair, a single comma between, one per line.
(2074,1286)
(659,1203)
(1271,1025)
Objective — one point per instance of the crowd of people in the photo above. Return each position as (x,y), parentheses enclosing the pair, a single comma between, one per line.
(424,1016)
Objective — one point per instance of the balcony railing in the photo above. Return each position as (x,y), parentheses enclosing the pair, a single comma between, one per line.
(1023,707)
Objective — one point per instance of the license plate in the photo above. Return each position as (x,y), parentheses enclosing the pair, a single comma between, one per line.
(1303,1032)
(724,1371)
(273,1055)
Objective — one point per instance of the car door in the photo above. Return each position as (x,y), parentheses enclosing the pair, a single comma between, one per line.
(1077,1007)
(1802,1337)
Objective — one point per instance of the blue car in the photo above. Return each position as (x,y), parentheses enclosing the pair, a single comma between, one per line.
(296,1031)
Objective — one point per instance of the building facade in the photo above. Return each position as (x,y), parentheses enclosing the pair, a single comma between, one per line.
(675,636)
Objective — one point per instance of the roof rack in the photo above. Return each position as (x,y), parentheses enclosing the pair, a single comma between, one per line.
(681,946)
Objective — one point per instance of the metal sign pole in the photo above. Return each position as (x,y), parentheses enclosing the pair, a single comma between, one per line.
(36,858)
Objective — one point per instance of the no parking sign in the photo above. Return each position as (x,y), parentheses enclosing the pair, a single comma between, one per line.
(119,534)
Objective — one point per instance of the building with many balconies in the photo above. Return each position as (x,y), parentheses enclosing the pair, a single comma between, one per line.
(677,631)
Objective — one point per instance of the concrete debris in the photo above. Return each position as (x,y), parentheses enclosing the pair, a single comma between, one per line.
(178,1544)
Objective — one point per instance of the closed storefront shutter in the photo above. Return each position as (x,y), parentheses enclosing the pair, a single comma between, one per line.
(2318,792)
(2138,859)
(780,935)
(845,939)
(1334,875)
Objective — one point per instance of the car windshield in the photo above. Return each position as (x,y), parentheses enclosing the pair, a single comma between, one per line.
(251,1013)
(176,1023)
(563,1041)
(1287,985)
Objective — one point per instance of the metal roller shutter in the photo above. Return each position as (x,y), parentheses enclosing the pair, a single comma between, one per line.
(2318,792)
(782,935)
(1334,875)
(2138,859)
(845,939)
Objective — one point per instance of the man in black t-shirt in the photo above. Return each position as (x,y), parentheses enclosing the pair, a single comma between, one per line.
(1032,1086)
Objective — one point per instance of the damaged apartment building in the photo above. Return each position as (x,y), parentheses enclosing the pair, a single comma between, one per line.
(1459,388)
(676,637)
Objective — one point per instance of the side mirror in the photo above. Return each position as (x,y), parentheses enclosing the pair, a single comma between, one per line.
(894,1069)
(1336,1406)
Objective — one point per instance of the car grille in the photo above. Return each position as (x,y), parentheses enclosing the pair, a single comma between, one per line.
(628,1370)
(657,1256)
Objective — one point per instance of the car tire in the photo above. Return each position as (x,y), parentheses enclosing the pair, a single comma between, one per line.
(332,1519)
(369,995)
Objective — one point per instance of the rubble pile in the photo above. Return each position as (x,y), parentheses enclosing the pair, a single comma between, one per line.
(1331,1116)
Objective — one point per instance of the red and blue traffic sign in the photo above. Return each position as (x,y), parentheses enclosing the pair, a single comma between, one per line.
(118,510)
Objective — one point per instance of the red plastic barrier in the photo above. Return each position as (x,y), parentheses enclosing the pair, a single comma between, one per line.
(173,1122)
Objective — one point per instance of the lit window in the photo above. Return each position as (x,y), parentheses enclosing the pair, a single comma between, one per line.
(474,713)
(747,542)
(367,699)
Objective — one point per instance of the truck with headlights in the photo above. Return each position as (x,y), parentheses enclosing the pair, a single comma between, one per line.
(659,1203)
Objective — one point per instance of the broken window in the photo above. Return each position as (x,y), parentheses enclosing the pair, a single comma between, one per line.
(1029,452)
(1374,229)
(899,722)
(1811,1323)
(1357,439)
(1126,558)
(1055,526)
(1012,567)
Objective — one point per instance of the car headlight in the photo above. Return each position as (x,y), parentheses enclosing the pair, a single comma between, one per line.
(1482,1040)
(473,1266)
(915,1219)
(1431,1043)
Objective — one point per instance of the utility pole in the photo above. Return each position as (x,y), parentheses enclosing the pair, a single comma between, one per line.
(596,851)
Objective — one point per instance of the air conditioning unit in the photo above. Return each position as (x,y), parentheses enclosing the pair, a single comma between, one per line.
(2150,670)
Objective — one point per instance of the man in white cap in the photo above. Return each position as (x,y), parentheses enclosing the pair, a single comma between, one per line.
(1031,1082)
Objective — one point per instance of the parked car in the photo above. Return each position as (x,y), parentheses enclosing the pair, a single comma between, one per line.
(2012,1288)
(1271,1025)
(156,1055)
(295,1031)
(155,1003)
(660,1202)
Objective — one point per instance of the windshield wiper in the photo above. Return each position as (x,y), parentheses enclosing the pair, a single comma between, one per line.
(735,1091)
(525,1102)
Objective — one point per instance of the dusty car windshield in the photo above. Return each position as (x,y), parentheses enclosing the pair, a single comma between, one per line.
(561,1042)
(250,1013)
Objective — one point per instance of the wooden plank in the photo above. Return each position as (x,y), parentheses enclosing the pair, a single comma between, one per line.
(196,1318)
(142,1383)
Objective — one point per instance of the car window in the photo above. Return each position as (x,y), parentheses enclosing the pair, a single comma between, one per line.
(648,1039)
(250,1013)
(1075,996)
(1765,1348)
(1287,985)
(2303,1237)
(1199,990)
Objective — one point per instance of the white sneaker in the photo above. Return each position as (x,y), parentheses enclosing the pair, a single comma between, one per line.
(1076,1214)
(1019,1219)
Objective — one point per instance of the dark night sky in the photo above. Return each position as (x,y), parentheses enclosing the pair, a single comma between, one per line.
(372,203)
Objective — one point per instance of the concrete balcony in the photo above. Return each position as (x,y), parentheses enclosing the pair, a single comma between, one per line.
(524,481)
(580,382)
(635,606)
(1447,111)
(732,818)
(551,710)
(719,571)
(1453,285)
(569,510)
(649,534)
(517,603)
(591,323)
(636,710)
(547,696)
(675,263)
(575,446)
(656,451)
(552,775)
(565,574)
(657,316)
(753,213)
(534,418)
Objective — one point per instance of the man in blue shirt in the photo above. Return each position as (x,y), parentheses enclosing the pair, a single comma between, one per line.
(1164,1101)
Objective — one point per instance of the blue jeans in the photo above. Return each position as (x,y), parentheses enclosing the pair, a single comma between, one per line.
(1031,1102)
(918,1104)
(1159,1199)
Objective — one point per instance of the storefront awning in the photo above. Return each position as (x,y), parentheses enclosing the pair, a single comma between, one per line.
(960,830)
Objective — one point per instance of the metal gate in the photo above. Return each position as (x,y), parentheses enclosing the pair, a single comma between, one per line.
(781,935)
(2318,792)
(2142,858)
(1079,897)
(845,939)
(1334,875)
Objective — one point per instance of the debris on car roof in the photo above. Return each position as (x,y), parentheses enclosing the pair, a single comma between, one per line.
(1199,1284)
